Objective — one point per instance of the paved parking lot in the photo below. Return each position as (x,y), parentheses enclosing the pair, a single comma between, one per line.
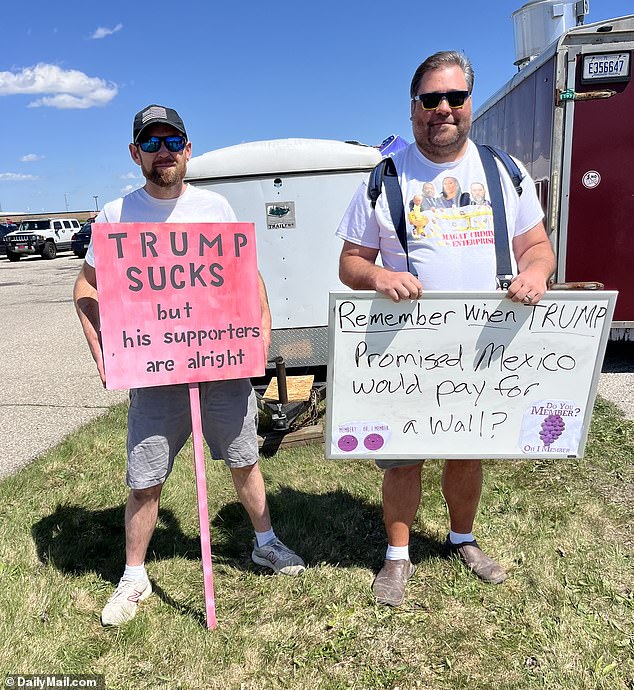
(50,384)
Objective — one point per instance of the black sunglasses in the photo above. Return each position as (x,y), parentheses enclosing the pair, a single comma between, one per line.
(430,101)
(172,143)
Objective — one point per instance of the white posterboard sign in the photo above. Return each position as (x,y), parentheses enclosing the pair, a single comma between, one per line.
(463,375)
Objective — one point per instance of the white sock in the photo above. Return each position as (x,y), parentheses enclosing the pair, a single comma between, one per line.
(263,538)
(397,553)
(459,538)
(135,572)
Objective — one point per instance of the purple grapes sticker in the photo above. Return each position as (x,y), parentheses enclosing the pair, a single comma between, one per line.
(551,429)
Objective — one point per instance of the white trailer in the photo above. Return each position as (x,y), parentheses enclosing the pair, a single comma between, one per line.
(295,191)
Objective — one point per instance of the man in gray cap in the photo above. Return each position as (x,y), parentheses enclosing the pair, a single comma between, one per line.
(159,421)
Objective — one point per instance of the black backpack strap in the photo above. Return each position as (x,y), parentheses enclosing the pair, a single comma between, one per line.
(375,183)
(511,167)
(385,175)
(502,250)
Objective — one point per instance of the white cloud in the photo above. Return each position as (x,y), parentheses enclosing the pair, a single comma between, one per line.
(16,177)
(103,31)
(68,88)
(130,176)
(129,188)
(31,157)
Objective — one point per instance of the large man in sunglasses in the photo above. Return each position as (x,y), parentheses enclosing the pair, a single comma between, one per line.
(159,420)
(441,119)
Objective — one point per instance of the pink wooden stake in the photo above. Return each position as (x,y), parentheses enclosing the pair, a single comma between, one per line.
(203,514)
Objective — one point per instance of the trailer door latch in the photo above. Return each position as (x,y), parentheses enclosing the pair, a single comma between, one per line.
(571,95)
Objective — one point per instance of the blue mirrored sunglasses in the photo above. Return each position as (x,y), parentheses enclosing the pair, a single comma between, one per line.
(172,143)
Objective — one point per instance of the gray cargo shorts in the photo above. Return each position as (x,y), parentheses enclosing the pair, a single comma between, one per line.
(159,424)
(390,464)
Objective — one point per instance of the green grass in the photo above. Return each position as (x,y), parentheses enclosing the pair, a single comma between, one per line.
(563,620)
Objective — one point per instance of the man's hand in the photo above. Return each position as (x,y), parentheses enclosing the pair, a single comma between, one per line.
(536,263)
(358,270)
(528,287)
(266,342)
(97,355)
(266,318)
(397,286)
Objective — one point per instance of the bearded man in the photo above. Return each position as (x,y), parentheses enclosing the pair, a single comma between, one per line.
(440,111)
(159,421)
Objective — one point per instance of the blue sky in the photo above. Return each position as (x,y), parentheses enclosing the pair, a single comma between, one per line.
(73,74)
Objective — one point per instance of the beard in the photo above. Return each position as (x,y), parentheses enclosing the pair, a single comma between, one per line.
(436,144)
(166,177)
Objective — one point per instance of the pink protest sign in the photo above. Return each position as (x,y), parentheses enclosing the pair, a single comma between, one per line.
(178,302)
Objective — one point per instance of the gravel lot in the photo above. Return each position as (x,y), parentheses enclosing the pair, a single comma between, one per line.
(50,384)
(617,378)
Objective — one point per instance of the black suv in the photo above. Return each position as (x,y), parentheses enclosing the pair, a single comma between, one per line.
(4,229)
(80,240)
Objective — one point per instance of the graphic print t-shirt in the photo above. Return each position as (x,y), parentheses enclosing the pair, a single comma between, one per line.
(449,220)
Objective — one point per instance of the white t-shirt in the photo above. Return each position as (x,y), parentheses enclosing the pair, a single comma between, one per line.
(194,205)
(448,217)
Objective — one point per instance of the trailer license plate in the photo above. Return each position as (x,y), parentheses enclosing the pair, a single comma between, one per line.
(606,67)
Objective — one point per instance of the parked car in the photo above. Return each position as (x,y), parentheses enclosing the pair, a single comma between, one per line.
(80,240)
(43,236)
(5,228)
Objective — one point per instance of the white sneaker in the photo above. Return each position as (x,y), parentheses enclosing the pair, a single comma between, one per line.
(278,557)
(122,605)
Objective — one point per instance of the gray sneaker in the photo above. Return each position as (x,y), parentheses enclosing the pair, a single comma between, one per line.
(122,605)
(278,557)
(389,584)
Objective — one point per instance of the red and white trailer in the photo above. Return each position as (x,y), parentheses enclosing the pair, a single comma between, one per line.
(568,115)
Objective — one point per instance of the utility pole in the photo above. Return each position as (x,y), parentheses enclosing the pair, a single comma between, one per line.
(96,198)
(66,201)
